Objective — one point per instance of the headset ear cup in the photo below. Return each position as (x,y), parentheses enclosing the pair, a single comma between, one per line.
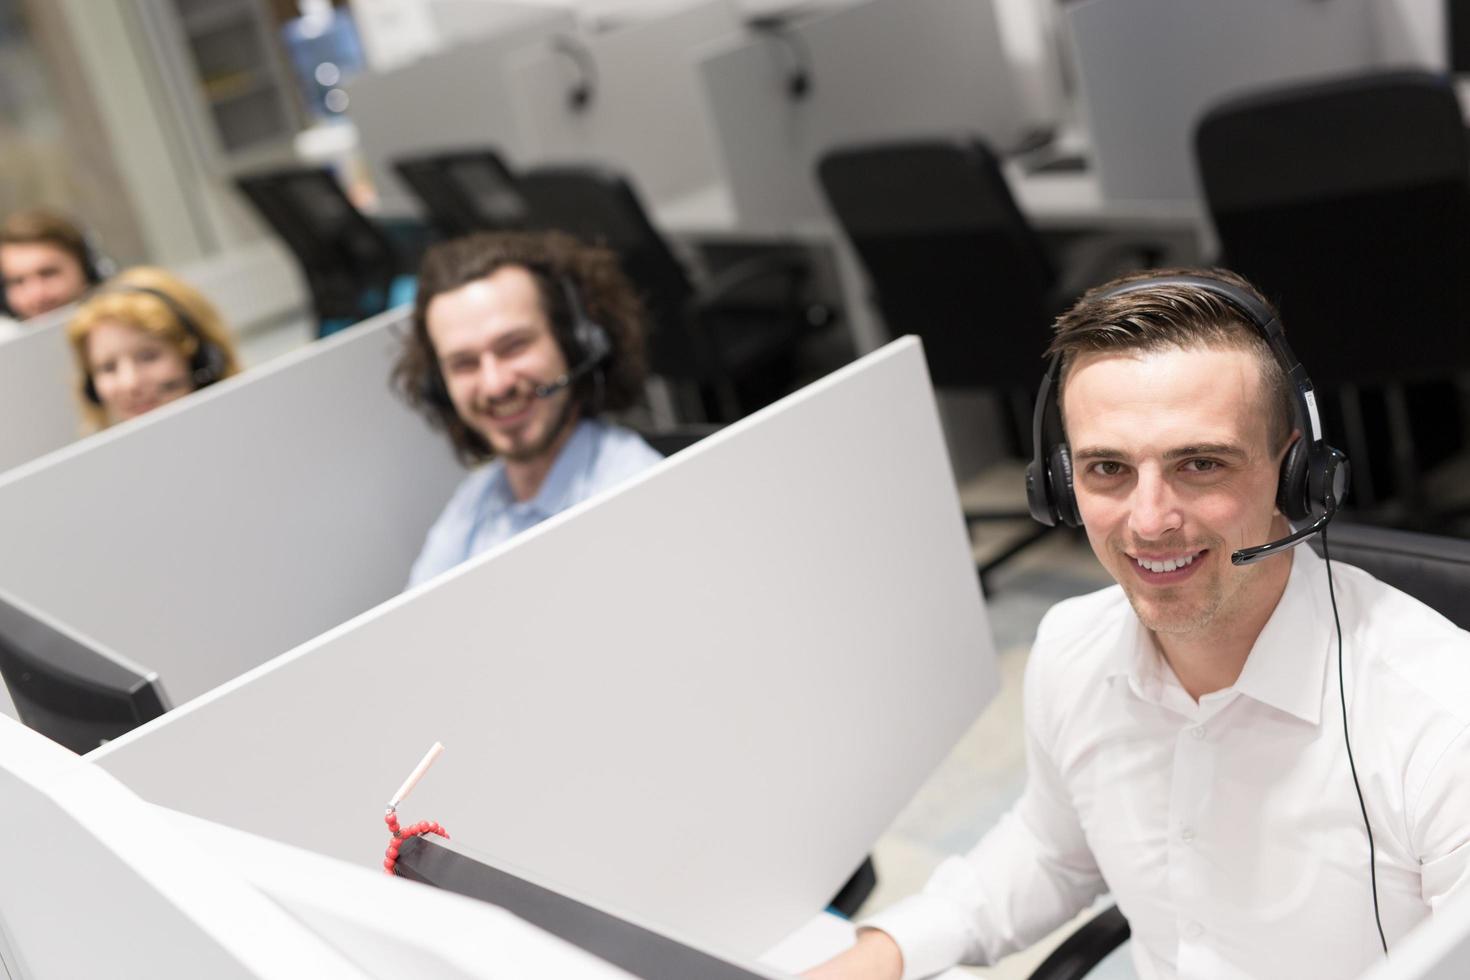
(89,391)
(1037,498)
(1292,490)
(1063,497)
(1327,482)
(208,365)
(432,390)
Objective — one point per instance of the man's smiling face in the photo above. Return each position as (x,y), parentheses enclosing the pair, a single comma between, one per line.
(495,344)
(1173,471)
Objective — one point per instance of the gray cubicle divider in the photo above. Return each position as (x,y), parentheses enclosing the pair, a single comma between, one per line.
(697,699)
(1437,949)
(451,99)
(38,393)
(1149,69)
(108,885)
(643,114)
(220,530)
(883,69)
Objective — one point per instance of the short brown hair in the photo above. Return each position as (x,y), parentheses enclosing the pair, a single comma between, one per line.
(46,227)
(553,259)
(1173,316)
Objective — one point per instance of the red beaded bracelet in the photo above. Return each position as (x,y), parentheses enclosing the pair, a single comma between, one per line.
(390,857)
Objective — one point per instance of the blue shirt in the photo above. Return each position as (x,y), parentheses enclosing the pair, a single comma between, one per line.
(483,512)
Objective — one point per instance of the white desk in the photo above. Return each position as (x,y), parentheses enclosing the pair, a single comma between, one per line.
(1051,201)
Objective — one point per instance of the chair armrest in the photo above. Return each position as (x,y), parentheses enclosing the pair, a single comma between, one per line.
(1085,948)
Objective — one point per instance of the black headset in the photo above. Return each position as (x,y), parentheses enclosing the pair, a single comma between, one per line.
(799,79)
(580,95)
(208,363)
(1314,476)
(590,346)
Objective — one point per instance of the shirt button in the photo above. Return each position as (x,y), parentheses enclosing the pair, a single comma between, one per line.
(1193,930)
(1187,835)
(1198,731)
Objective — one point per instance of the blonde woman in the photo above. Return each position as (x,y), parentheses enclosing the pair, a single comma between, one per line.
(145,339)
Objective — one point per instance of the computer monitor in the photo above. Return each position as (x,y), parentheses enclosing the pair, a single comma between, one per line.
(67,688)
(642,952)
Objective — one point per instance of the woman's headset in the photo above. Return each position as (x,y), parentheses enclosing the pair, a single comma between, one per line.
(208,363)
(1314,476)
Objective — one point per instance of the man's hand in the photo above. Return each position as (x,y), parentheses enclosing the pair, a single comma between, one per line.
(875,957)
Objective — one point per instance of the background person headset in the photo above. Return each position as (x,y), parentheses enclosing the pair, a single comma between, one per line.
(1311,487)
(46,262)
(145,339)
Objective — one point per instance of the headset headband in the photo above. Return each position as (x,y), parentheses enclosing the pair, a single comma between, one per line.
(1314,475)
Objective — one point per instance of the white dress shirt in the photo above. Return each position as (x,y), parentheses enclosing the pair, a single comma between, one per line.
(1227,830)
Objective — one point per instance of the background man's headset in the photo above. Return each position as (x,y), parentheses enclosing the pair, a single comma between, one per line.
(591,347)
(1313,481)
(207,364)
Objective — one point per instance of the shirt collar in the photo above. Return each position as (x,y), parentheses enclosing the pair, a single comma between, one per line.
(1288,663)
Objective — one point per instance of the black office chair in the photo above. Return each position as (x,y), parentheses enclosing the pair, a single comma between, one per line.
(951,258)
(464,191)
(1348,203)
(349,262)
(1431,568)
(735,340)
(668,441)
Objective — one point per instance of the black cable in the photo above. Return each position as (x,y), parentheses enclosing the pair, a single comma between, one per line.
(1341,693)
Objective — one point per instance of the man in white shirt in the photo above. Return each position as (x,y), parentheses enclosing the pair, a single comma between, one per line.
(520,341)
(1185,732)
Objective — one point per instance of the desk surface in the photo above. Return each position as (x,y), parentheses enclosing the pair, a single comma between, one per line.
(1052,201)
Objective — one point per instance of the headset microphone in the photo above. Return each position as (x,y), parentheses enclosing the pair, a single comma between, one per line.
(590,339)
(566,380)
(1249,556)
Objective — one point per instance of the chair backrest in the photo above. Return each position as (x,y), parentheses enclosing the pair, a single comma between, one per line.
(948,254)
(1348,203)
(464,191)
(669,441)
(600,206)
(1433,569)
(343,255)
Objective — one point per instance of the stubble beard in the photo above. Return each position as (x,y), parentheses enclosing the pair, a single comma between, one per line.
(525,453)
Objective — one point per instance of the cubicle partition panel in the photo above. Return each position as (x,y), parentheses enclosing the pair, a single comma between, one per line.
(697,699)
(877,70)
(99,883)
(38,392)
(1149,69)
(218,531)
(628,98)
(456,97)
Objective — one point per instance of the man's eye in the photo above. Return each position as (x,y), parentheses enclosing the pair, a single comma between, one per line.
(1202,465)
(460,365)
(1107,467)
